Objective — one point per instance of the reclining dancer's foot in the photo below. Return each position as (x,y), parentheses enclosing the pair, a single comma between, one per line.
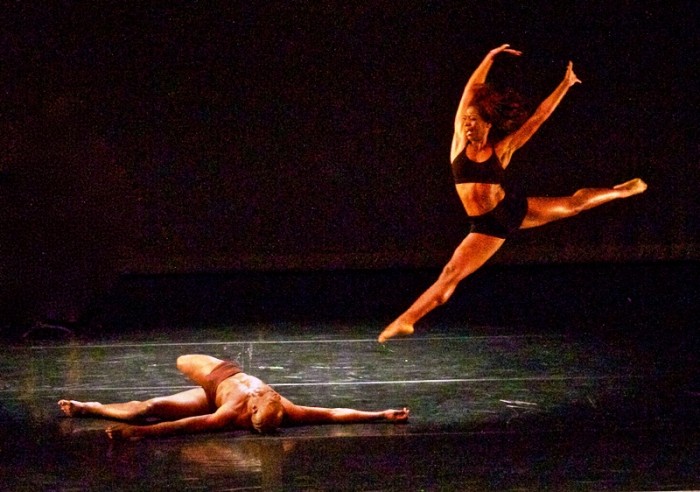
(73,408)
(396,329)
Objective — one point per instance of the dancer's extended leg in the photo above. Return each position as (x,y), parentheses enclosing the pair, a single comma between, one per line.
(469,256)
(177,406)
(185,404)
(542,210)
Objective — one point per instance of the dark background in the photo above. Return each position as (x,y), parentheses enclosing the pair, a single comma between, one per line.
(146,145)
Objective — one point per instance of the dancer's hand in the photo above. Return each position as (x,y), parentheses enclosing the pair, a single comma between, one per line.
(504,48)
(570,77)
(397,416)
(121,432)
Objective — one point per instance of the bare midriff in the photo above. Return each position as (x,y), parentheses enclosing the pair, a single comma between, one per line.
(479,198)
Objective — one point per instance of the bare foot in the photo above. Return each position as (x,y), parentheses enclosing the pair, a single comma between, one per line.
(631,187)
(397,416)
(397,328)
(72,408)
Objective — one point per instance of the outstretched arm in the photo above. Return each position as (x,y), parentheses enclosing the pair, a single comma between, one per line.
(300,415)
(518,138)
(478,77)
(221,419)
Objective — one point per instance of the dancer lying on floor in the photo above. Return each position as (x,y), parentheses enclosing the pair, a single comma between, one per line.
(228,399)
(489,127)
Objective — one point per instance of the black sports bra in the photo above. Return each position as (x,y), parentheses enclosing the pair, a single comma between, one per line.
(466,170)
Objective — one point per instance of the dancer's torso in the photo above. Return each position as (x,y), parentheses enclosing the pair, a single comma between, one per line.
(478,182)
(236,391)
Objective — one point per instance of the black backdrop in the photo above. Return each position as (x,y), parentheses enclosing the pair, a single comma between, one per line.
(190,137)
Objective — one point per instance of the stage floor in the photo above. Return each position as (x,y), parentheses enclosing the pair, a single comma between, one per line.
(492,408)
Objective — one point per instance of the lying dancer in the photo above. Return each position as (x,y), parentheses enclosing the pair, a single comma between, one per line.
(228,399)
(489,127)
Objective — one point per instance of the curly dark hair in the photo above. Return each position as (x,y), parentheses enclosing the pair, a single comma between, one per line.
(505,110)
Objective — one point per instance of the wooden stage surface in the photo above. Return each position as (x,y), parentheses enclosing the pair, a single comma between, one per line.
(491,409)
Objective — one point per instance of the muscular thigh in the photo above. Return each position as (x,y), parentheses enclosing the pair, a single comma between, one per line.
(184,404)
(473,252)
(541,210)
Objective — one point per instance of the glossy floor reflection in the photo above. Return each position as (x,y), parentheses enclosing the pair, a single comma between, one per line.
(492,409)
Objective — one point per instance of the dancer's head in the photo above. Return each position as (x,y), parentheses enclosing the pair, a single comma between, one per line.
(505,111)
(268,411)
(476,126)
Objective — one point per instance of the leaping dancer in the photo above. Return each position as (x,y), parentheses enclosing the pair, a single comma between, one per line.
(488,128)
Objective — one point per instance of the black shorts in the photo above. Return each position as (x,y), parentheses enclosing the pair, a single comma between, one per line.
(504,219)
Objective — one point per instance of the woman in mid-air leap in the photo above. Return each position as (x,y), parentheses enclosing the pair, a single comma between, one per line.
(489,127)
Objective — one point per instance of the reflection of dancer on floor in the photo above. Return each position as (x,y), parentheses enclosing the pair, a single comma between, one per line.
(489,127)
(228,399)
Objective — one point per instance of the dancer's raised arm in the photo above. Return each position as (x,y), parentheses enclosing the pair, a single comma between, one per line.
(517,139)
(478,77)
